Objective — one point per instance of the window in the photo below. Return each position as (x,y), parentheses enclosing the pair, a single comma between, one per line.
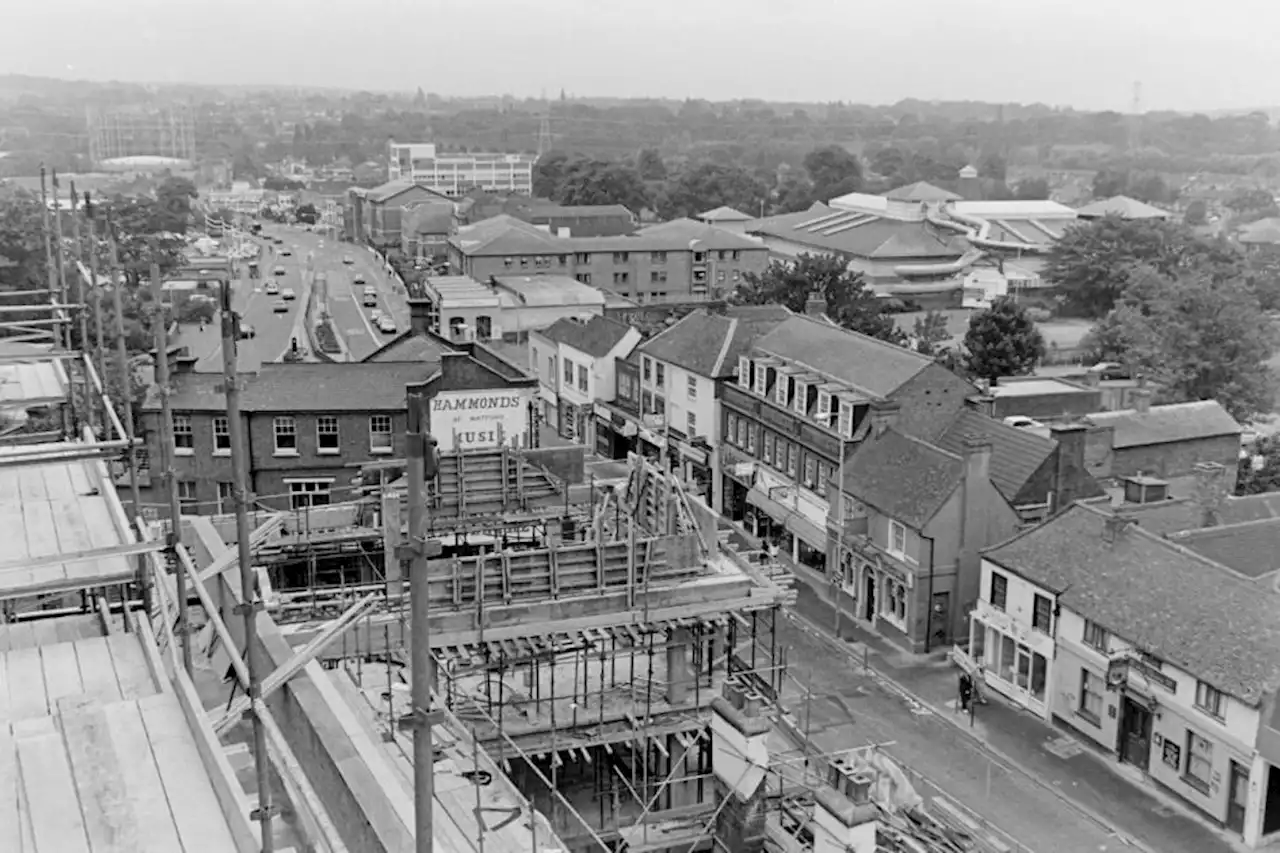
(893,604)
(583,277)
(999,590)
(1210,700)
(744,372)
(187,497)
(551,368)
(621,277)
(801,396)
(810,471)
(533,359)
(657,276)
(226,498)
(824,474)
(327,435)
(221,435)
(699,276)
(720,276)
(692,421)
(767,451)
(792,453)
(845,426)
(562,260)
(699,257)
(736,275)
(307,493)
(1042,615)
(568,372)
(621,257)
(782,392)
(286,432)
(583,384)
(183,437)
(380,434)
(761,380)
(1199,761)
(735,255)
(824,407)
(658,257)
(582,258)
(1096,636)
(721,255)
(524,263)
(648,368)
(659,375)
(646,402)
(751,438)
(897,539)
(691,386)
(1091,688)
(731,428)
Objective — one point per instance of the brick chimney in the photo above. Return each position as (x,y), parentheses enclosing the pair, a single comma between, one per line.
(977,459)
(1069,472)
(1141,400)
(815,305)
(1210,492)
(1114,527)
(884,414)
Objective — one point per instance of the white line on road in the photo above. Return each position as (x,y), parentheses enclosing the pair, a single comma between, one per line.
(373,336)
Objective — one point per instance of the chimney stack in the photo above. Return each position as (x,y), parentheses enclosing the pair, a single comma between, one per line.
(1070,472)
(1142,400)
(977,458)
(884,414)
(815,305)
(1114,527)
(1209,493)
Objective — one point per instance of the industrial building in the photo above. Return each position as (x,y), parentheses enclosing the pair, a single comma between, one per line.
(454,174)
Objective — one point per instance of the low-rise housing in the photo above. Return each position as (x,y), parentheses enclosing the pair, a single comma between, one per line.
(1160,656)
(505,307)
(574,361)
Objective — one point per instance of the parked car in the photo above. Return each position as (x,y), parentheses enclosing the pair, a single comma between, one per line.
(386,325)
(288,294)
(1022,422)
(280,306)
(278,271)
(1111,370)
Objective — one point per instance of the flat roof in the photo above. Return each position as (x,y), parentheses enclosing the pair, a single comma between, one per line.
(59,509)
(1035,387)
(98,748)
(548,290)
(32,384)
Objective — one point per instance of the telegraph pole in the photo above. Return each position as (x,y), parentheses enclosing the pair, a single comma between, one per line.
(250,603)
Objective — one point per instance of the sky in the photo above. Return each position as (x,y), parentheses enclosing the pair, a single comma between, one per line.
(1187,54)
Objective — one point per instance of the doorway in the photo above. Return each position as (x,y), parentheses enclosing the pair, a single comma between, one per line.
(1237,797)
(869,596)
(1135,734)
(1271,807)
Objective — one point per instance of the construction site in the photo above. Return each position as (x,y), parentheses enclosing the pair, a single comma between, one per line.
(472,656)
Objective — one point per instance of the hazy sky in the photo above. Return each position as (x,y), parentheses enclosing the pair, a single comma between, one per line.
(1188,54)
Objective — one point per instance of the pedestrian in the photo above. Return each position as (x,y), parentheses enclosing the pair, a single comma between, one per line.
(966,691)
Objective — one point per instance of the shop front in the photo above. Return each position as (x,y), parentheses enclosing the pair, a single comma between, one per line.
(737,472)
(1015,659)
(617,431)
(784,515)
(575,422)
(694,466)
(877,589)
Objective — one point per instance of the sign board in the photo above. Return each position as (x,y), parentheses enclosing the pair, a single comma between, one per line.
(470,420)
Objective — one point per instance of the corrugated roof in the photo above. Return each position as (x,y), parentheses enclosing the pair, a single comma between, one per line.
(1169,601)
(597,337)
(862,362)
(1016,454)
(1124,207)
(902,477)
(865,235)
(1167,424)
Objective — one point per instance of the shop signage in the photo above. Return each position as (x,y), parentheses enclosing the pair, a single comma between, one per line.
(467,420)
(1172,754)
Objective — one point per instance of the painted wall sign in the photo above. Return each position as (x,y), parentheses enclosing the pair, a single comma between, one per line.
(467,420)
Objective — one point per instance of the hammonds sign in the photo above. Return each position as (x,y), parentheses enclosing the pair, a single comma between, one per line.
(466,420)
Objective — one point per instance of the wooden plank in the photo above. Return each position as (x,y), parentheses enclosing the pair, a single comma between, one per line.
(110,822)
(26,684)
(44,632)
(13,532)
(131,667)
(22,635)
(81,481)
(31,485)
(103,532)
(10,823)
(73,530)
(57,481)
(61,672)
(140,779)
(196,813)
(50,789)
(97,670)
(66,628)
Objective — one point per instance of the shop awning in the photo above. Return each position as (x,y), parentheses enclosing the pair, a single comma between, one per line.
(792,519)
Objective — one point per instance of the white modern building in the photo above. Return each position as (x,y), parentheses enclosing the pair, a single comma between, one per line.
(454,174)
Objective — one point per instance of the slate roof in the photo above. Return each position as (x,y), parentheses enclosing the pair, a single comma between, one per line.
(1248,548)
(903,478)
(865,235)
(597,337)
(506,235)
(701,343)
(385,192)
(1016,454)
(1167,424)
(409,346)
(1176,514)
(1124,207)
(304,387)
(1167,600)
(856,360)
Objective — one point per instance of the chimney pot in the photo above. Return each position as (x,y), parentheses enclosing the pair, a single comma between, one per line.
(1142,400)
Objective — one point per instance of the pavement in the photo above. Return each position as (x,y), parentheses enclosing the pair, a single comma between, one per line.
(1030,783)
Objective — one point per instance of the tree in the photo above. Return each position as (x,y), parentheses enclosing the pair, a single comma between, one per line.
(600,182)
(1092,262)
(1259,471)
(848,302)
(22,257)
(419,99)
(833,171)
(1195,336)
(929,332)
(1252,200)
(711,185)
(1109,182)
(307,213)
(1031,189)
(175,196)
(651,166)
(1197,213)
(1002,341)
(548,172)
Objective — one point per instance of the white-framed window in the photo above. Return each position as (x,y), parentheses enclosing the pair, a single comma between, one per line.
(824,407)
(187,497)
(751,439)
(793,454)
(327,435)
(380,434)
(691,386)
(691,420)
(897,539)
(1091,688)
(782,390)
(801,401)
(568,373)
(762,380)
(1042,614)
(583,383)
(226,498)
(646,365)
(999,596)
(744,372)
(285,428)
(184,440)
(1096,636)
(221,435)
(307,493)
(893,603)
(810,471)
(1199,761)
(659,375)
(1210,700)
(731,428)
(845,427)
(533,359)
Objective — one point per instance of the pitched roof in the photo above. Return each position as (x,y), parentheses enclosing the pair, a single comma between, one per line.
(1248,548)
(863,234)
(509,235)
(723,213)
(1016,454)
(701,343)
(1261,231)
(1124,207)
(410,346)
(506,235)
(305,387)
(429,218)
(391,189)
(921,191)
(1169,601)
(597,337)
(1167,424)
(862,362)
(1184,513)
(681,233)
(904,478)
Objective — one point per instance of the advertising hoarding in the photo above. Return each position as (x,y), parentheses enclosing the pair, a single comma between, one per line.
(470,420)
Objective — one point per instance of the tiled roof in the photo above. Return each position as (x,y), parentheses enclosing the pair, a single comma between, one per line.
(865,235)
(597,337)
(700,342)
(1248,548)
(902,477)
(506,235)
(1016,454)
(410,346)
(1167,424)
(1176,514)
(724,213)
(1124,207)
(306,387)
(921,191)
(862,362)
(391,189)
(1169,601)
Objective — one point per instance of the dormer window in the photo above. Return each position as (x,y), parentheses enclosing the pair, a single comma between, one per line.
(846,419)
(824,407)
(744,372)
(801,396)
(781,394)
(762,380)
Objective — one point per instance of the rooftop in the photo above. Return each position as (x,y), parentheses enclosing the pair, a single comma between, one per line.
(1122,206)
(1167,600)
(863,234)
(596,337)
(1176,514)
(709,344)
(508,235)
(1016,455)
(546,290)
(903,478)
(359,386)
(1167,424)
(1247,547)
(391,189)
(1036,387)
(921,191)
(723,213)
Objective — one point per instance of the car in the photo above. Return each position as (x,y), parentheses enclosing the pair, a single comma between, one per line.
(278,271)
(1111,370)
(286,253)
(272,288)
(1022,422)
(280,307)
(386,325)
(376,314)
(357,279)
(247,331)
(288,294)
(348,260)
(369,300)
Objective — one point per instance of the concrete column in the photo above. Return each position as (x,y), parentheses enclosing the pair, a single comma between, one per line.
(679,674)
(391,522)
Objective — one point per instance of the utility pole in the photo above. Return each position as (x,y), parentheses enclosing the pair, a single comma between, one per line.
(250,604)
(52,275)
(96,287)
(422,459)
(126,394)
(168,450)
(77,257)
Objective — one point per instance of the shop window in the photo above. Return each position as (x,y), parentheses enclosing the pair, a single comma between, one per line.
(893,604)
(1039,676)
(1199,762)
(1091,688)
(1008,657)
(999,591)
(1042,615)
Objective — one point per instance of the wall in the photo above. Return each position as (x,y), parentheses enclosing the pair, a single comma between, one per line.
(1175,459)
(702,405)
(1048,407)
(930,401)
